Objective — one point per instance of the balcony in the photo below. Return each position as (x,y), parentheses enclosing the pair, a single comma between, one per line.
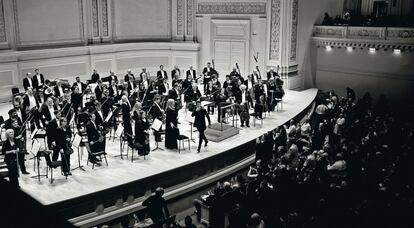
(364,37)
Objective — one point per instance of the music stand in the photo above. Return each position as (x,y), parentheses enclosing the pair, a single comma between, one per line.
(190,120)
(120,133)
(37,154)
(76,143)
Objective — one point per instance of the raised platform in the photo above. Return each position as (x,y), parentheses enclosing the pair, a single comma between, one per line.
(218,132)
(123,180)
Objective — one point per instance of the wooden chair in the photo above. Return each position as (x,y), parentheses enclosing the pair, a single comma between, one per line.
(52,165)
(181,139)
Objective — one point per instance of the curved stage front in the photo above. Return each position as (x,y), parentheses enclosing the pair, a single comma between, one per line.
(123,181)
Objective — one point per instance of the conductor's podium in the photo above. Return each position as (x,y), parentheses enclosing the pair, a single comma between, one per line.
(218,132)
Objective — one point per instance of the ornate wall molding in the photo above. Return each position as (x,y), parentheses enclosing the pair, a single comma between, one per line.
(95,20)
(294,31)
(231,8)
(3,37)
(105,29)
(275,10)
(180,17)
(190,14)
(359,43)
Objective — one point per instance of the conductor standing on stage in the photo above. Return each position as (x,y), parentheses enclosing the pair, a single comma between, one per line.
(200,123)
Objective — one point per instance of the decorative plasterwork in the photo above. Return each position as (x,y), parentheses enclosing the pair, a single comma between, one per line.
(400,33)
(231,8)
(105,18)
(95,23)
(358,43)
(2,24)
(294,31)
(274,53)
(180,17)
(190,10)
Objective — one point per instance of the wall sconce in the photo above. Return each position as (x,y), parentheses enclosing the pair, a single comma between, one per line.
(328,47)
(372,50)
(397,51)
(349,49)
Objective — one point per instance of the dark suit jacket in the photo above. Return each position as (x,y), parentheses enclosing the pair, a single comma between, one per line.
(173,72)
(36,84)
(98,93)
(159,75)
(172,94)
(112,79)
(200,119)
(92,132)
(83,85)
(155,112)
(57,93)
(26,101)
(126,77)
(270,75)
(189,74)
(95,78)
(192,95)
(26,83)
(126,112)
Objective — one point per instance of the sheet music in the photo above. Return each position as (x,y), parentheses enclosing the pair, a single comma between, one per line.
(156,125)
(119,130)
(77,140)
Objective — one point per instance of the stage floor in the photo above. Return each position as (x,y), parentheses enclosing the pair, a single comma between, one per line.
(123,171)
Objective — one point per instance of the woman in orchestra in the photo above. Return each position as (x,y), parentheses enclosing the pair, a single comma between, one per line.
(62,145)
(126,116)
(142,126)
(171,127)
(10,150)
(271,94)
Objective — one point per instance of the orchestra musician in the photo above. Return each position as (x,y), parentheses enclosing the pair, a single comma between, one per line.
(48,117)
(161,74)
(131,86)
(76,99)
(82,86)
(95,139)
(142,126)
(99,90)
(10,150)
(95,77)
(175,73)
(31,105)
(14,123)
(191,73)
(58,90)
(128,76)
(234,73)
(192,95)
(157,112)
(47,90)
(171,125)
(221,100)
(62,145)
(39,80)
(187,82)
(208,71)
(200,115)
(245,100)
(259,90)
(126,116)
(144,77)
(113,79)
(272,73)
(151,91)
(163,87)
(28,81)
(255,76)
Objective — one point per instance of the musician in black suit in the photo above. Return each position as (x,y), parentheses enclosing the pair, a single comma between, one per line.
(258,91)
(175,73)
(157,112)
(82,86)
(143,76)
(163,87)
(28,82)
(38,80)
(128,76)
(112,78)
(95,76)
(161,74)
(221,100)
(95,139)
(234,73)
(191,73)
(192,94)
(30,105)
(62,145)
(48,117)
(151,91)
(131,86)
(99,90)
(58,90)
(272,74)
(200,115)
(208,71)
(174,92)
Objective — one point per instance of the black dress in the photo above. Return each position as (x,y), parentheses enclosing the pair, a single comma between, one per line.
(171,133)
(142,137)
